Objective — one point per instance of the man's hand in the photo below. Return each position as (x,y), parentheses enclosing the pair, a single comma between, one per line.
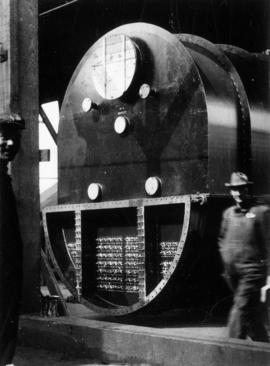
(264,289)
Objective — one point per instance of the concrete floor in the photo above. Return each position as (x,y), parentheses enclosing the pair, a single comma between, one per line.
(148,341)
(29,356)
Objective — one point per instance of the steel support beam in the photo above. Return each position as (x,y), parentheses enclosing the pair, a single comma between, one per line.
(19,93)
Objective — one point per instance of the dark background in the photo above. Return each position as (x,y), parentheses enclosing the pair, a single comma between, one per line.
(66,33)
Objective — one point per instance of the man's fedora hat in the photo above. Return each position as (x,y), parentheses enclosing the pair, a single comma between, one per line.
(238,179)
(12,120)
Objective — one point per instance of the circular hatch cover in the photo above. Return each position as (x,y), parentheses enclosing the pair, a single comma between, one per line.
(113,65)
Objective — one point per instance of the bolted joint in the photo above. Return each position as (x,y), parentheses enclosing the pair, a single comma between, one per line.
(200,198)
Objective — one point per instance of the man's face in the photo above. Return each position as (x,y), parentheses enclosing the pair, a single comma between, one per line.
(9,143)
(240,194)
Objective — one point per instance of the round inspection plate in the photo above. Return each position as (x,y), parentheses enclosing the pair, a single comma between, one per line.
(113,65)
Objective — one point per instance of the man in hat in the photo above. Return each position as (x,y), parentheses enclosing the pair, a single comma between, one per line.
(10,240)
(244,243)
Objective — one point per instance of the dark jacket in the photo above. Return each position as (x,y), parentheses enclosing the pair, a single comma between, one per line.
(10,269)
(245,235)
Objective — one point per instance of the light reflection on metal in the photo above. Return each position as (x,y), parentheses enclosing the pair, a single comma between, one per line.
(221,112)
(88,104)
(152,185)
(144,91)
(121,124)
(260,120)
(94,191)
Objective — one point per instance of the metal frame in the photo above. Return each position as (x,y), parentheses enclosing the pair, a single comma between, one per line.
(50,255)
(144,299)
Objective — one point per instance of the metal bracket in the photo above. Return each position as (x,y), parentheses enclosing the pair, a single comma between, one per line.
(3,53)
(201,198)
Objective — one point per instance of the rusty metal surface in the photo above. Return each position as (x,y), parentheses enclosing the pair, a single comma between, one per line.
(191,132)
(168,134)
(229,140)
(254,69)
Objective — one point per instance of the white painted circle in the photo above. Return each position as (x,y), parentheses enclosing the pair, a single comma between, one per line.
(152,185)
(144,91)
(94,191)
(113,65)
(121,124)
(86,104)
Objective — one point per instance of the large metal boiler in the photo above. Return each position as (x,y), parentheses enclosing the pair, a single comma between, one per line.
(152,125)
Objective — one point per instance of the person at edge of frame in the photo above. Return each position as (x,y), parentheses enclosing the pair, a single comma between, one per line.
(244,244)
(11,127)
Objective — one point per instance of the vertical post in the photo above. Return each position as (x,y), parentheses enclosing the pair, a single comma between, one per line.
(141,245)
(5,57)
(27,168)
(19,94)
